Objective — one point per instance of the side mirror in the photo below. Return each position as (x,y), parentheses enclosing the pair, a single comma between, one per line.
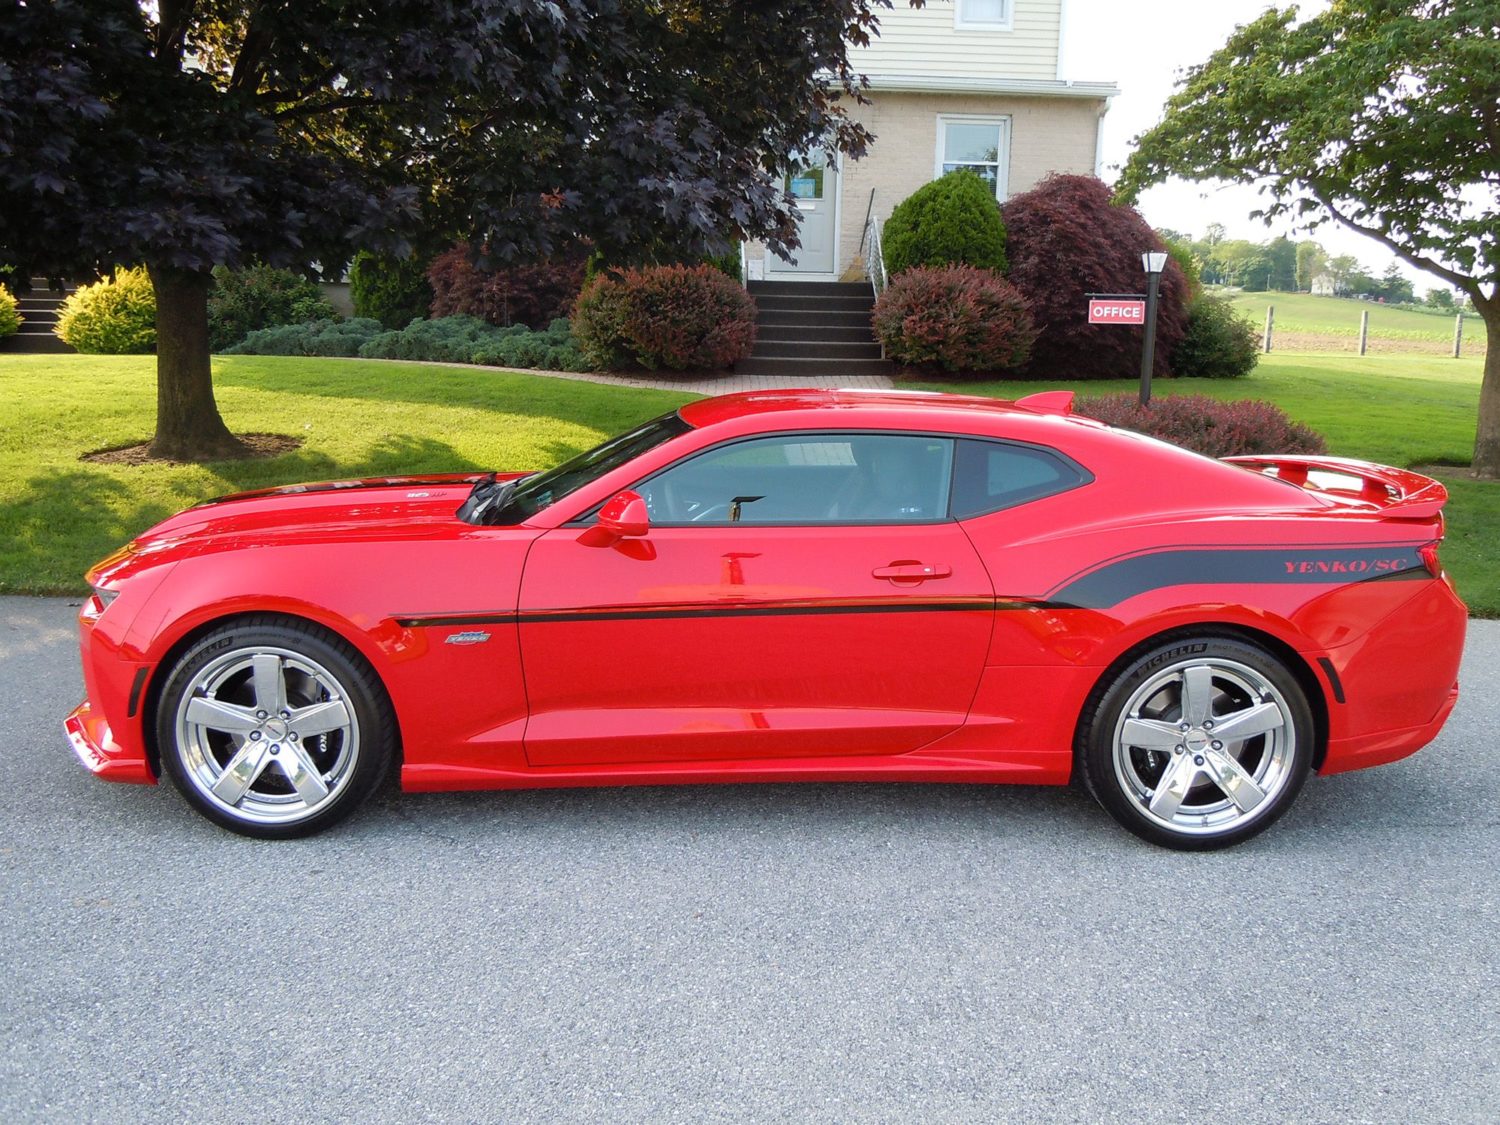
(624,516)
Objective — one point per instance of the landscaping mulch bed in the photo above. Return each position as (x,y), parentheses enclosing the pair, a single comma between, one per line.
(257,446)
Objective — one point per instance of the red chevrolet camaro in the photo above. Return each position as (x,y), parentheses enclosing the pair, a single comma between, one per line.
(788,586)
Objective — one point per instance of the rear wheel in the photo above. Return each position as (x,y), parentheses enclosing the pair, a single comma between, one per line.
(274,729)
(1197,744)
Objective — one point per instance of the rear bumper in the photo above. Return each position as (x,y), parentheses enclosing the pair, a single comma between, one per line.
(1347,754)
(101,755)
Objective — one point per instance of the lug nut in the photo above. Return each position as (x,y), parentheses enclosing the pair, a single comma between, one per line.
(1197,758)
(1185,726)
(255,736)
(276,748)
(1217,745)
(293,738)
(260,714)
(1178,749)
(1208,724)
(286,714)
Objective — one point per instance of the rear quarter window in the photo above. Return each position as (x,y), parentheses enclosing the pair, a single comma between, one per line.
(991,475)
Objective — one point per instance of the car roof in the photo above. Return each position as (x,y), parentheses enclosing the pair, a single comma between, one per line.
(713,411)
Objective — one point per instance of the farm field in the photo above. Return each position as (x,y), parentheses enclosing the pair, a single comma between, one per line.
(1331,324)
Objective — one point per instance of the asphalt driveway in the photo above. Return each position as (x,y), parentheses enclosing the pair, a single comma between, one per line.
(756,953)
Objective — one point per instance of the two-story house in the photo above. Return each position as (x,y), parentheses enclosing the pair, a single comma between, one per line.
(957,84)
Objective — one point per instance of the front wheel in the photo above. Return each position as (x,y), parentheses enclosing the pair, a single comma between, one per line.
(274,729)
(1198,743)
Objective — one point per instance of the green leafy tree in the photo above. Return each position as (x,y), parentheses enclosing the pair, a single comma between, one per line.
(1381,115)
(1312,260)
(1281,261)
(186,134)
(1343,268)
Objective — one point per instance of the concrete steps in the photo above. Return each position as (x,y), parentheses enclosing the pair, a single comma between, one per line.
(816,331)
(39,307)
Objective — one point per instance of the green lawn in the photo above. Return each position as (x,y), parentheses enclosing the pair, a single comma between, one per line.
(1398,410)
(357,418)
(1302,313)
(360,418)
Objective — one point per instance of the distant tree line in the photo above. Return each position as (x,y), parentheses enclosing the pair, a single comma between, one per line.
(1281,265)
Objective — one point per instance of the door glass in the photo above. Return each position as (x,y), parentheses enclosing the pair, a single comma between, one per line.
(808,479)
(805,179)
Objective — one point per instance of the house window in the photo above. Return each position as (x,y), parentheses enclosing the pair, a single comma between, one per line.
(981,144)
(982,15)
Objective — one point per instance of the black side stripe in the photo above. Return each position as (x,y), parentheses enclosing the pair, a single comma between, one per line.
(1333,678)
(630,613)
(1119,581)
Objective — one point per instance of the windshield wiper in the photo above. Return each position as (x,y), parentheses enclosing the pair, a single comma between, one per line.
(485,500)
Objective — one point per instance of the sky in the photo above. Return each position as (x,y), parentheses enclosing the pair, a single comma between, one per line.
(1143,46)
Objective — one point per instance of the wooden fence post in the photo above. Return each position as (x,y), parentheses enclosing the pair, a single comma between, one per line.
(1458,335)
(1364,330)
(1270,321)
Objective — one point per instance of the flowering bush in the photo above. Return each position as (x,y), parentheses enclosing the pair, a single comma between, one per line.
(957,319)
(111,317)
(1206,425)
(533,295)
(680,317)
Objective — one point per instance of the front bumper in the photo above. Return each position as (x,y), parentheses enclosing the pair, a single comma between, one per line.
(101,755)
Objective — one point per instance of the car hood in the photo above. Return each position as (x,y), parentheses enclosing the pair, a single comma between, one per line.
(370,509)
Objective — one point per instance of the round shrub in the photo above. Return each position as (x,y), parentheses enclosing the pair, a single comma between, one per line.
(681,317)
(1206,425)
(953,220)
(392,290)
(116,316)
(242,301)
(1219,343)
(956,319)
(1067,239)
(10,315)
(448,339)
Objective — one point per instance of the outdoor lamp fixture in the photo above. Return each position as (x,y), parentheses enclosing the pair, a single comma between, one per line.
(1153,262)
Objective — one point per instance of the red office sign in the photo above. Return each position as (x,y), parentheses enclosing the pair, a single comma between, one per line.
(1117,310)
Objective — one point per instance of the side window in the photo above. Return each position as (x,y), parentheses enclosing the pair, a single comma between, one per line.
(993,475)
(808,479)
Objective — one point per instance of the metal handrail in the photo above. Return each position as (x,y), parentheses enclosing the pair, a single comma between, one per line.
(875,256)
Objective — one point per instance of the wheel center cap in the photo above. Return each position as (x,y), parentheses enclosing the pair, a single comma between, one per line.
(1196,740)
(276,729)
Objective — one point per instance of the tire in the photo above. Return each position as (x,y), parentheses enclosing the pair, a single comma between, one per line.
(1157,743)
(274,729)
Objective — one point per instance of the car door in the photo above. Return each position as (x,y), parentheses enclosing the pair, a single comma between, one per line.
(797,595)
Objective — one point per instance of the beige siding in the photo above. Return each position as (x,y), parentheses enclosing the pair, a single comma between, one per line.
(923,42)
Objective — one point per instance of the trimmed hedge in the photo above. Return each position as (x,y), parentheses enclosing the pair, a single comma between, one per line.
(1206,425)
(242,301)
(115,316)
(394,291)
(10,315)
(679,317)
(531,295)
(1219,342)
(453,339)
(954,220)
(956,319)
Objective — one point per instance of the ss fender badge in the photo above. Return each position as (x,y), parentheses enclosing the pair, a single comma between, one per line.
(467,637)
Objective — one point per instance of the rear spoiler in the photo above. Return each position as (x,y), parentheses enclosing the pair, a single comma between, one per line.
(1397,493)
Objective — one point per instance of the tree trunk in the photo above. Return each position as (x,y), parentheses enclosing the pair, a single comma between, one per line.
(1487,438)
(188,426)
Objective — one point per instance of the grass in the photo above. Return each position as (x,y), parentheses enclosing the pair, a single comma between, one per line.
(1401,411)
(1307,323)
(360,418)
(356,418)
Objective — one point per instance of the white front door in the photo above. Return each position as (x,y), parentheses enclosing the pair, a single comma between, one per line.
(814,183)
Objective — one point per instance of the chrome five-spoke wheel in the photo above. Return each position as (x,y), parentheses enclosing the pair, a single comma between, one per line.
(277,732)
(1200,744)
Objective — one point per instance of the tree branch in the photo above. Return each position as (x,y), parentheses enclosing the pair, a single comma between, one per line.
(173,17)
(313,109)
(1463,281)
(246,75)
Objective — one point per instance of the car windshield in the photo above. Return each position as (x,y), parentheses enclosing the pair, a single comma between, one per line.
(530,495)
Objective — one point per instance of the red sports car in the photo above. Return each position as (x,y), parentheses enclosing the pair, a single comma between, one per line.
(788,586)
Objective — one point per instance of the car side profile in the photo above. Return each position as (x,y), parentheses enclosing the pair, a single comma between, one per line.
(788,586)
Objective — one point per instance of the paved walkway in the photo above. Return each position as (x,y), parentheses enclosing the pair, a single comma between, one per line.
(727,383)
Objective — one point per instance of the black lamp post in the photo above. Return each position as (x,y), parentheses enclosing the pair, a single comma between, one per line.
(1153,261)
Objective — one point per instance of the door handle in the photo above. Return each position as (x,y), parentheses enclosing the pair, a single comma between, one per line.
(912,571)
